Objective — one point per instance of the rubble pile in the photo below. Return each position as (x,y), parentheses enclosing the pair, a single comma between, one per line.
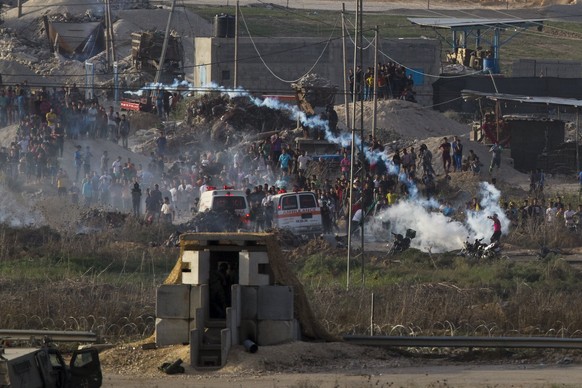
(237,115)
(102,219)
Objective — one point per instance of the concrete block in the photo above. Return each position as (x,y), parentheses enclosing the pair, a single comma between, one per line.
(198,299)
(297,330)
(232,325)
(194,347)
(235,301)
(275,303)
(275,332)
(249,302)
(196,267)
(247,330)
(249,270)
(198,321)
(225,344)
(172,331)
(173,301)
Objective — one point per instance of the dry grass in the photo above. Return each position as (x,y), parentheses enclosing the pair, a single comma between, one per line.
(105,282)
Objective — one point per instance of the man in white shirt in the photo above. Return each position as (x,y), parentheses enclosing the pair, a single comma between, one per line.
(116,167)
(569,218)
(303,160)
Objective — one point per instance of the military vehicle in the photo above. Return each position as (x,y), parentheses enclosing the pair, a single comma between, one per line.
(45,367)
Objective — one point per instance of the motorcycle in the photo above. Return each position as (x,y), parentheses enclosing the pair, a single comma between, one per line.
(473,250)
(491,251)
(479,250)
(401,243)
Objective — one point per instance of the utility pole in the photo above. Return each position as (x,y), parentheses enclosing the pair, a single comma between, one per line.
(165,46)
(375,82)
(19,8)
(111,35)
(346,83)
(353,151)
(107,37)
(235,77)
(362,156)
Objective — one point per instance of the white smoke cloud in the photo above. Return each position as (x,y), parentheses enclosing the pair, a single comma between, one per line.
(436,232)
(15,213)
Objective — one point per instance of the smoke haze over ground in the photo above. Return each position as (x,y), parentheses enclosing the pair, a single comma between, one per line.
(436,232)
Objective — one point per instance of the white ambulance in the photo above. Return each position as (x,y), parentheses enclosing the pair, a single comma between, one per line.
(227,199)
(298,212)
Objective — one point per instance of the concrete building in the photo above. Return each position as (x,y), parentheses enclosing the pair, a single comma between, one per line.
(267,66)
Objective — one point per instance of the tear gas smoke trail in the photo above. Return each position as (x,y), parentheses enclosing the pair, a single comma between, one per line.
(435,231)
(182,85)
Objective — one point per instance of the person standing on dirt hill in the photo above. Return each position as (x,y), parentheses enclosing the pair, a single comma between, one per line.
(78,156)
(87,191)
(4,102)
(426,160)
(117,166)
(166,100)
(445,148)
(457,154)
(124,129)
(161,143)
(168,211)
(136,199)
(156,198)
(104,162)
(495,156)
(87,160)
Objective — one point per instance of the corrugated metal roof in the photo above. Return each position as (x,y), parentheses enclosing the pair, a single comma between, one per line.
(473,94)
(453,23)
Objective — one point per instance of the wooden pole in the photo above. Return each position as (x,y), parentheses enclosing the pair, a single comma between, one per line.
(165,46)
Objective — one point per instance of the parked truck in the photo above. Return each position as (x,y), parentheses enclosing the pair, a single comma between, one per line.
(45,367)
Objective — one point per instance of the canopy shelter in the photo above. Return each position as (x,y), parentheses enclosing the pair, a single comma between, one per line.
(486,31)
(76,40)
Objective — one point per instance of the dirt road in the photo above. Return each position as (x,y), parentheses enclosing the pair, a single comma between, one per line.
(423,376)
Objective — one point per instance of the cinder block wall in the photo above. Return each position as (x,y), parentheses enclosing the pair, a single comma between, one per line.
(546,68)
(291,58)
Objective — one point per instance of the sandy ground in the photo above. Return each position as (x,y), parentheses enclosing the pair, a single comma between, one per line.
(530,376)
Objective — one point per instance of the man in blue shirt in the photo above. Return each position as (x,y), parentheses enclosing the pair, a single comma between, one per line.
(284,160)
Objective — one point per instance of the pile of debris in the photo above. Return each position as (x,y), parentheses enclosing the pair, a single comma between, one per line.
(99,219)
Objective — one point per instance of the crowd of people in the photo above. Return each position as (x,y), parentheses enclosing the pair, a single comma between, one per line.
(262,168)
(391,82)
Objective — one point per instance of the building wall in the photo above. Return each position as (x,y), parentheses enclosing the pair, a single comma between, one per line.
(546,68)
(288,59)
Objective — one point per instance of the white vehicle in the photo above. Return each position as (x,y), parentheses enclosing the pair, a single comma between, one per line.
(222,200)
(298,212)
